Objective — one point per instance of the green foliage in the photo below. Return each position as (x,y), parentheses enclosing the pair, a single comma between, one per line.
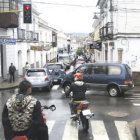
(79,52)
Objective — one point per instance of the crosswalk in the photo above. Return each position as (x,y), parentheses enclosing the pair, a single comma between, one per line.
(98,130)
(134,99)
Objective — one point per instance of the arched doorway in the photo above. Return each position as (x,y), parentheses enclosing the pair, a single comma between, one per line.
(20,68)
(46,58)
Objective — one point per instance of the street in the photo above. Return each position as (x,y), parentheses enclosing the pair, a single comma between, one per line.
(112,120)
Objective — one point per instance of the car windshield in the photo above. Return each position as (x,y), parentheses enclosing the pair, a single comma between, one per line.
(36,73)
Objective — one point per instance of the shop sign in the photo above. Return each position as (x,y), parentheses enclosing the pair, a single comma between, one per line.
(36,48)
(8,41)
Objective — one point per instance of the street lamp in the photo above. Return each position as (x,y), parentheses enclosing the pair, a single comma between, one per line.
(95,15)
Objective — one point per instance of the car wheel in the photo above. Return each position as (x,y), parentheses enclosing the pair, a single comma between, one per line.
(67,89)
(113,91)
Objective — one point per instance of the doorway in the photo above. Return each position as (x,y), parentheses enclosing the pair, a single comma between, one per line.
(20,70)
(120,51)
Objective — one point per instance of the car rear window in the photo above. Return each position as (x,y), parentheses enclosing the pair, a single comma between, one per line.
(36,73)
(128,70)
(63,57)
(114,70)
(55,66)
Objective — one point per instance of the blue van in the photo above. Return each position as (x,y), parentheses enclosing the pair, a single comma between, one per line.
(114,77)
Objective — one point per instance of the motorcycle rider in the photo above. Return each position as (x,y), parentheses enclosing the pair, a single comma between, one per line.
(78,88)
(22,116)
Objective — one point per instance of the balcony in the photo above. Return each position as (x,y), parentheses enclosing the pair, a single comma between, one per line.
(103,33)
(109,30)
(36,37)
(8,20)
(20,34)
(32,37)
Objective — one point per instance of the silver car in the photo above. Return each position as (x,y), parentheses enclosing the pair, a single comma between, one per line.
(39,78)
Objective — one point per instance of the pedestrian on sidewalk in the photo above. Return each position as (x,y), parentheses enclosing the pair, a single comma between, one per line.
(27,66)
(12,70)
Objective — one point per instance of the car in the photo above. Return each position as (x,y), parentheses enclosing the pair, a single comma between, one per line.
(65,59)
(115,78)
(39,78)
(57,71)
(79,62)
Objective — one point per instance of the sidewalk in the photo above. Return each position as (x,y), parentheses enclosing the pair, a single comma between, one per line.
(7,85)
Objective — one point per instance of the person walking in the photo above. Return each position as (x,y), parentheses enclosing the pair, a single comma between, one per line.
(22,116)
(12,70)
(27,66)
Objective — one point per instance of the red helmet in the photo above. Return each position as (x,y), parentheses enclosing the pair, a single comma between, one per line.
(78,76)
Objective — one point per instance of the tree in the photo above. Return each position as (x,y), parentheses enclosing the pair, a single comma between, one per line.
(79,52)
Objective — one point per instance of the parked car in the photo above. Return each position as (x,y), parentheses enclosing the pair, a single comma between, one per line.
(39,78)
(115,78)
(57,72)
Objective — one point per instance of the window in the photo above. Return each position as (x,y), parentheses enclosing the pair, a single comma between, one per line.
(36,73)
(8,5)
(114,70)
(84,70)
(128,69)
(98,70)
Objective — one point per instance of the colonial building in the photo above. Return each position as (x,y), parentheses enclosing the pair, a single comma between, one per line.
(47,36)
(117,28)
(21,42)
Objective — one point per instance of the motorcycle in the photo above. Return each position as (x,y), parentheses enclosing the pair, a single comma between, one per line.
(83,114)
(52,108)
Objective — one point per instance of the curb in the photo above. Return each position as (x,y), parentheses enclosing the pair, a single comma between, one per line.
(9,87)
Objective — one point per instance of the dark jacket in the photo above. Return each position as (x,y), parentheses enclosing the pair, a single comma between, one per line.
(12,69)
(38,130)
(79,89)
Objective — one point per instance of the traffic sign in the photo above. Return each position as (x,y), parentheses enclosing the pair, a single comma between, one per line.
(7,41)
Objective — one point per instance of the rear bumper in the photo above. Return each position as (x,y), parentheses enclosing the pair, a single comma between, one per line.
(42,85)
(57,80)
(126,87)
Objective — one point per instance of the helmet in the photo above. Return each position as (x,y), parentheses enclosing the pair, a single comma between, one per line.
(78,76)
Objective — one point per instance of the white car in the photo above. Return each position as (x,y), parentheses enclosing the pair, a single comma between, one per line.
(39,78)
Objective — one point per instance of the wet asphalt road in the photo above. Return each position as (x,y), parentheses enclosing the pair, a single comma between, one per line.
(113,115)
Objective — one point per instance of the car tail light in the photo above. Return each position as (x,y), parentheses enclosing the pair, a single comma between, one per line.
(46,79)
(25,79)
(44,120)
(19,138)
(127,82)
(83,106)
(64,70)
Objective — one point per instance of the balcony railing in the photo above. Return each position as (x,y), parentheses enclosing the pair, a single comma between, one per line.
(36,36)
(102,32)
(20,34)
(8,20)
(109,30)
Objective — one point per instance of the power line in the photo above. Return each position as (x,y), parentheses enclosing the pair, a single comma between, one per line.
(64,4)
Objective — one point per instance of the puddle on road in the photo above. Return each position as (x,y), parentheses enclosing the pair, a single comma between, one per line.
(118,114)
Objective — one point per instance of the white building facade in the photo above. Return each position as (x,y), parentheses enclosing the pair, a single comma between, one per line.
(118,30)
(29,46)
(62,42)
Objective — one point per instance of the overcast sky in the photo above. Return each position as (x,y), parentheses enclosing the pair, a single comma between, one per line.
(68,18)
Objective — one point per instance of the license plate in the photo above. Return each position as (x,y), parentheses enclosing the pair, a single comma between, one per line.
(86,112)
(55,80)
